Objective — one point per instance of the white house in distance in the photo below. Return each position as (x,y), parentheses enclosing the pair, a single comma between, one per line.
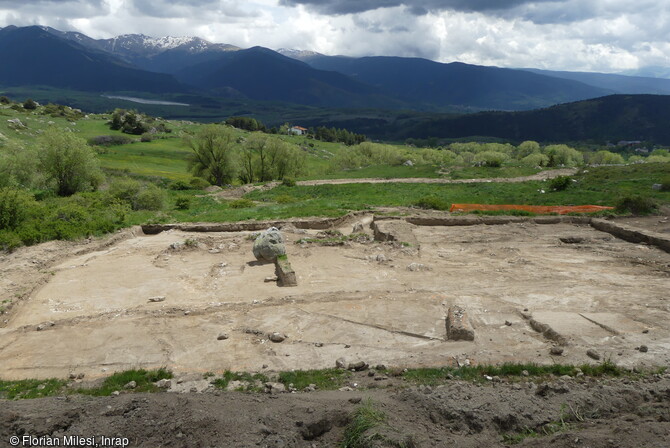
(297,130)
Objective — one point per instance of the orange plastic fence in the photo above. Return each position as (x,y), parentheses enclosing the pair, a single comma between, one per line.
(560,209)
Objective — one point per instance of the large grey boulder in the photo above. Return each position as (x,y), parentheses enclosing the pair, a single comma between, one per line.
(269,245)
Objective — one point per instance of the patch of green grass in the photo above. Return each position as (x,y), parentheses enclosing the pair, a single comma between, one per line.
(484,172)
(432,203)
(252,380)
(325,379)
(117,381)
(336,240)
(357,433)
(25,389)
(241,203)
(431,376)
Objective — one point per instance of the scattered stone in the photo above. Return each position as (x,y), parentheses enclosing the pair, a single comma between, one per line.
(157,299)
(318,344)
(163,384)
(408,163)
(458,325)
(645,331)
(381,378)
(222,337)
(593,354)
(41,387)
(16,124)
(572,239)
(371,373)
(130,385)
(416,267)
(644,349)
(277,337)
(269,245)
(556,351)
(316,429)
(380,367)
(116,393)
(341,363)
(357,228)
(285,273)
(380,258)
(357,366)
(270,279)
(508,323)
(525,373)
(355,400)
(81,376)
(186,313)
(236,385)
(274,388)
(656,187)
(72,376)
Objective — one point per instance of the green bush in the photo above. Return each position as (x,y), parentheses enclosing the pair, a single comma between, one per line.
(288,182)
(432,203)
(9,241)
(285,199)
(4,100)
(183,203)
(637,205)
(14,206)
(198,183)
(179,185)
(241,203)
(29,104)
(151,198)
(665,184)
(560,183)
(109,140)
(125,189)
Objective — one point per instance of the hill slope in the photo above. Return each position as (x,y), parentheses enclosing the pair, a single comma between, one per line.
(610,118)
(457,84)
(263,74)
(33,56)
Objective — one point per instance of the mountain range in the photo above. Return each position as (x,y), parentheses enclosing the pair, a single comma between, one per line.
(43,56)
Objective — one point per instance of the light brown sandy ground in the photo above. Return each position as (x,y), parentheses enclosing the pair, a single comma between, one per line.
(601,294)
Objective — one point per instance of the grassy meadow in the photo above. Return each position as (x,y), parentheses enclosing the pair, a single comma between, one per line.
(146,178)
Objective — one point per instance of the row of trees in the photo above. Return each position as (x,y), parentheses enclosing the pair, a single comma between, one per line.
(218,156)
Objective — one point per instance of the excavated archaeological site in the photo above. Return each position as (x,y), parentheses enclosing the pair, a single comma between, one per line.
(426,291)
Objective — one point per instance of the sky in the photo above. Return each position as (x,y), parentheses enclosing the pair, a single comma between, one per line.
(575,35)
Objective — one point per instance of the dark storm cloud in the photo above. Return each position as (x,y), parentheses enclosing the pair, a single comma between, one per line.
(188,8)
(414,6)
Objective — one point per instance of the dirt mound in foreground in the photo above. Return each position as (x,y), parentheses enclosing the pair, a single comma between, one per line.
(557,413)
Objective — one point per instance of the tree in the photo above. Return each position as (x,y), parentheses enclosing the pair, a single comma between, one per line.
(213,154)
(68,163)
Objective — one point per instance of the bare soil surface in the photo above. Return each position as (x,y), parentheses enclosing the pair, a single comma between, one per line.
(558,413)
(235,193)
(91,308)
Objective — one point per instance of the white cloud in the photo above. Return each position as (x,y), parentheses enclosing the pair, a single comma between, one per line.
(603,35)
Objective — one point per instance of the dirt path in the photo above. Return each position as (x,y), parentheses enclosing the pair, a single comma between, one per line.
(544,175)
(558,413)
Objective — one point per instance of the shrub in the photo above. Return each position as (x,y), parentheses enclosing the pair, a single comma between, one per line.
(432,202)
(9,241)
(183,203)
(179,185)
(68,162)
(125,189)
(241,203)
(560,183)
(199,183)
(4,100)
(637,205)
(109,140)
(490,158)
(285,199)
(14,206)
(146,137)
(29,104)
(288,182)
(151,198)
(665,184)
(535,159)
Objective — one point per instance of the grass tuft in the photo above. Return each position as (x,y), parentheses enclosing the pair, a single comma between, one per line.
(117,381)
